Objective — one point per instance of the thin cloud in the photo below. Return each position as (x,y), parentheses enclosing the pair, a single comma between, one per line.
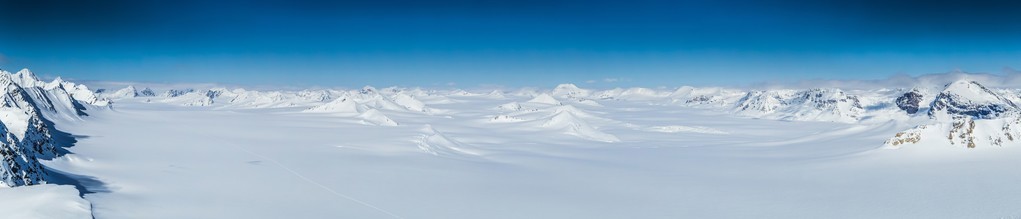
(1007,78)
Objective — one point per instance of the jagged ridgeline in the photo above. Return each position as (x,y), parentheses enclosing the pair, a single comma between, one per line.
(29,108)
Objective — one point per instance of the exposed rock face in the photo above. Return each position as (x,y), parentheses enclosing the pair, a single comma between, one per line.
(963,132)
(147,92)
(175,93)
(906,137)
(701,99)
(317,95)
(910,101)
(23,141)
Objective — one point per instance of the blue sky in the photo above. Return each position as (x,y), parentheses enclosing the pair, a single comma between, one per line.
(509,43)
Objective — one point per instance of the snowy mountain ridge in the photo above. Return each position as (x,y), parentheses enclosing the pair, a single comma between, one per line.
(960,102)
(29,106)
(805,105)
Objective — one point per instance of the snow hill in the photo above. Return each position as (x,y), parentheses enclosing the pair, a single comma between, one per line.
(563,118)
(573,121)
(437,143)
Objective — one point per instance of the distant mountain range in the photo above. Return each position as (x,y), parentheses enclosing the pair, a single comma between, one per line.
(963,113)
(960,113)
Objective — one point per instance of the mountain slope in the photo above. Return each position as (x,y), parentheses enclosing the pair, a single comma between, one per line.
(27,106)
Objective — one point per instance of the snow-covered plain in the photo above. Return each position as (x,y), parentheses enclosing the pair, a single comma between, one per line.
(562,153)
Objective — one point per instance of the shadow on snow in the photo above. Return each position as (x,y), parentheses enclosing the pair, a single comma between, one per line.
(84,184)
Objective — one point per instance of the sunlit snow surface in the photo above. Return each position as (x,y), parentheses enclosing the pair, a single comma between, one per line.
(43,201)
(476,156)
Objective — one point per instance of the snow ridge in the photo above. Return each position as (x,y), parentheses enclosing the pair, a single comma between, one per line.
(437,143)
(29,105)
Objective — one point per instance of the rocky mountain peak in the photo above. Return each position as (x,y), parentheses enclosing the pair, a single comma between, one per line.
(969,99)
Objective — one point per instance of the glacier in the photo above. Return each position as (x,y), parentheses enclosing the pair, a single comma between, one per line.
(928,150)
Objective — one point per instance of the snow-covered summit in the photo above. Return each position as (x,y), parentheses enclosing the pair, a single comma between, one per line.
(569,91)
(343,104)
(126,92)
(573,121)
(969,98)
(544,98)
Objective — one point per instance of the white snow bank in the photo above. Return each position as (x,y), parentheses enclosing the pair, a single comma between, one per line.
(43,201)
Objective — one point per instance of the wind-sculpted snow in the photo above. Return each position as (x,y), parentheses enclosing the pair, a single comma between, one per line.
(375,117)
(437,143)
(409,102)
(570,123)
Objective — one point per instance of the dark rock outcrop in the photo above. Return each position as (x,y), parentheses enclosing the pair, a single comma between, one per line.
(910,101)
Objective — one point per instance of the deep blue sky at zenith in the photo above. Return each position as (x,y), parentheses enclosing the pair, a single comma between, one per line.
(511,43)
